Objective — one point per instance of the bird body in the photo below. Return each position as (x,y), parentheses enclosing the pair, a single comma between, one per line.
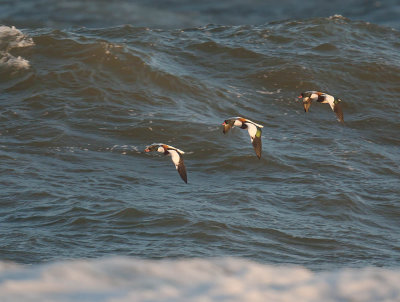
(176,156)
(253,129)
(324,98)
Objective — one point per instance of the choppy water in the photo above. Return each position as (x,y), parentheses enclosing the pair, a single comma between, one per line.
(80,104)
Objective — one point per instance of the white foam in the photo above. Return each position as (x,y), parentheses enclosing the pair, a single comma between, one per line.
(337,17)
(11,37)
(8,60)
(122,279)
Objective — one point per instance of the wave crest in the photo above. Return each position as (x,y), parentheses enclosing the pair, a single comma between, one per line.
(224,279)
(11,38)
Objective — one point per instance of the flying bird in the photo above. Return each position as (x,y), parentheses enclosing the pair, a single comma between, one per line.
(309,96)
(253,129)
(176,156)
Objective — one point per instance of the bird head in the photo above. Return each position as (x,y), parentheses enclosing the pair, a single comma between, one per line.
(228,124)
(152,148)
(305,94)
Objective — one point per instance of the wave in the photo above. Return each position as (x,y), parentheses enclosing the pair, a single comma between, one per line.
(75,127)
(224,279)
(10,39)
(11,62)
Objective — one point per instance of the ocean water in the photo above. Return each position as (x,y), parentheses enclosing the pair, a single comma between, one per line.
(86,214)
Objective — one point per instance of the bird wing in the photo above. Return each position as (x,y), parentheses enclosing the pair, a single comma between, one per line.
(255,136)
(337,108)
(178,162)
(252,129)
(173,148)
(331,100)
(182,170)
(306,104)
(257,145)
(258,125)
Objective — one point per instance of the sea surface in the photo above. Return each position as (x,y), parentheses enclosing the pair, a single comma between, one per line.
(87,215)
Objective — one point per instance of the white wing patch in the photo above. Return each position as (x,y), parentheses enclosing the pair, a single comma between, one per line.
(330,99)
(252,129)
(175,157)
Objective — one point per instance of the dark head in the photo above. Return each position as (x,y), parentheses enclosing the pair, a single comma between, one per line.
(151,148)
(228,124)
(305,94)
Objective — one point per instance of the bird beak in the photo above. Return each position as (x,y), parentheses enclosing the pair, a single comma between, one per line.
(224,123)
(300,97)
(147,150)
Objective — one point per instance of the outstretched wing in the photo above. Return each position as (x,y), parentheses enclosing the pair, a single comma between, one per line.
(178,162)
(257,146)
(255,136)
(337,108)
(255,124)
(182,170)
(306,104)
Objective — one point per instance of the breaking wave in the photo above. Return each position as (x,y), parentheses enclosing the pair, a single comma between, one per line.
(12,38)
(225,279)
